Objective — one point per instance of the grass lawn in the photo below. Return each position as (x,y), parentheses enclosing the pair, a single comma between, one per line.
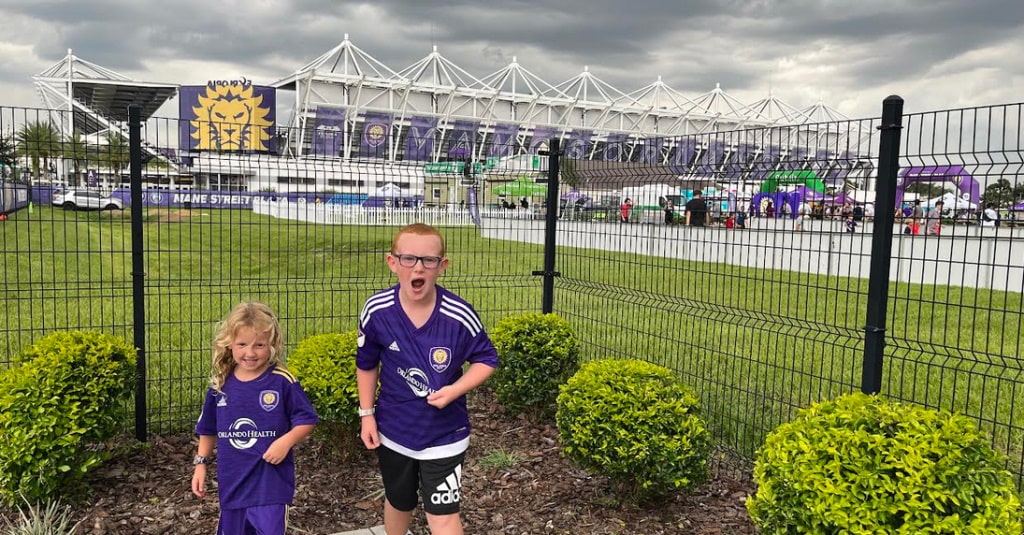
(756,344)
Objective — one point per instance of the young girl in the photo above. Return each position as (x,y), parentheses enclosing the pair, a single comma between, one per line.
(255,412)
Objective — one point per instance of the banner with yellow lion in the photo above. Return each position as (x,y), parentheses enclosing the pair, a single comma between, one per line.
(227,115)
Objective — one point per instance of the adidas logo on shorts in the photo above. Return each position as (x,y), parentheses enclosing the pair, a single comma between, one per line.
(448,491)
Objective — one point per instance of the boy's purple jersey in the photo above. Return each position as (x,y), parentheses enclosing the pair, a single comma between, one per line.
(417,362)
(246,419)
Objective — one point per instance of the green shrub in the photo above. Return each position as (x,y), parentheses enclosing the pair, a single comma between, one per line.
(325,364)
(65,395)
(635,423)
(864,465)
(537,354)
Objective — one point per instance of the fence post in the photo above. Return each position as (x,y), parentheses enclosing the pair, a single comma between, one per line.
(138,267)
(881,243)
(550,228)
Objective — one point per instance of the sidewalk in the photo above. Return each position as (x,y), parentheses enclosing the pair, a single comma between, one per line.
(376,530)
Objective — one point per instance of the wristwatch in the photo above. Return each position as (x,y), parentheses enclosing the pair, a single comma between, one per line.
(200,459)
(367,412)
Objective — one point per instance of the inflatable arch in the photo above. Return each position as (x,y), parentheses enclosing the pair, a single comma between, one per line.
(968,186)
(805,178)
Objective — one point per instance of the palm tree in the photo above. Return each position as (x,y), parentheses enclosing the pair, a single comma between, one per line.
(8,154)
(38,140)
(76,150)
(116,154)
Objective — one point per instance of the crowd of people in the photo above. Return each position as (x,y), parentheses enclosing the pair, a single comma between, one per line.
(913,217)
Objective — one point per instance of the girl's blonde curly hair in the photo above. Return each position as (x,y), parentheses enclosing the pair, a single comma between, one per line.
(254,315)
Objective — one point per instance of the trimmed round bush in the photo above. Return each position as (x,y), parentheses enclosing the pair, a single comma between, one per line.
(325,365)
(537,354)
(635,423)
(65,394)
(865,465)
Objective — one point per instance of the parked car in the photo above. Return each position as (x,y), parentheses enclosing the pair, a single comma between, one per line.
(78,199)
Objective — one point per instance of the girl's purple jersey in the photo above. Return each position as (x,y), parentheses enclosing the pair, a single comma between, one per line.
(247,417)
(416,362)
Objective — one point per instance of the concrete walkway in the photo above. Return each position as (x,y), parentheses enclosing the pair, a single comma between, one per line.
(376,530)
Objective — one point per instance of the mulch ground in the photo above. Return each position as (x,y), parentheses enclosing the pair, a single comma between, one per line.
(147,491)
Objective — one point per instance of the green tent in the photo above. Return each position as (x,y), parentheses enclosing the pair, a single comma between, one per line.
(806,178)
(521,187)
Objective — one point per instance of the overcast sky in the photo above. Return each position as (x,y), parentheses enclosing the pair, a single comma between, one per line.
(850,54)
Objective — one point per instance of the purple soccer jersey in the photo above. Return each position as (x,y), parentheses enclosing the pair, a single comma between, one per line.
(416,362)
(246,419)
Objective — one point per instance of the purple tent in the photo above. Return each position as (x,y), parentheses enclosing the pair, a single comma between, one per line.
(573,195)
(843,198)
(810,195)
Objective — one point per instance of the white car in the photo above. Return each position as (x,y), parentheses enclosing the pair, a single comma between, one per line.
(78,199)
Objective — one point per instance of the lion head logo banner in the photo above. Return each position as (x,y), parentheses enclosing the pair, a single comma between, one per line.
(227,115)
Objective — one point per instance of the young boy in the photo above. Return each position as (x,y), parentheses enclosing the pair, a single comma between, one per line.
(414,339)
(851,224)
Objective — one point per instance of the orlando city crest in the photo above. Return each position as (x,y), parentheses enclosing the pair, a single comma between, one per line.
(375,134)
(440,358)
(269,399)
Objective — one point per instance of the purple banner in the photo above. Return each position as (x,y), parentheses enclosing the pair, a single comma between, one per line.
(328,131)
(503,143)
(685,155)
(376,134)
(578,144)
(769,162)
(650,151)
(419,144)
(541,134)
(462,139)
(228,115)
(798,160)
(706,165)
(615,148)
(474,210)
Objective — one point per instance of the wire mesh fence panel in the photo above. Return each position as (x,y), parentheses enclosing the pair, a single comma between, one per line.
(753,292)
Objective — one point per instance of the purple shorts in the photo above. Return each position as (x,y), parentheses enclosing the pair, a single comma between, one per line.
(255,520)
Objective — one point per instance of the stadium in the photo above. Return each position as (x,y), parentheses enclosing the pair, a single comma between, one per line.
(334,122)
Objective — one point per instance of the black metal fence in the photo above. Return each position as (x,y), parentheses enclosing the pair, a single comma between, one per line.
(779,300)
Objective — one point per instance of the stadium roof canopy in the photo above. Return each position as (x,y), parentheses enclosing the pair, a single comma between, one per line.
(348,77)
(98,95)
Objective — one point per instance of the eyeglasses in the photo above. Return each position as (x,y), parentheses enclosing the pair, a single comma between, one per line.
(409,260)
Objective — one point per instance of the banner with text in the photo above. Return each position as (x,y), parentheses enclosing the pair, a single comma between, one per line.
(503,141)
(615,147)
(419,143)
(541,135)
(462,139)
(328,131)
(650,151)
(578,144)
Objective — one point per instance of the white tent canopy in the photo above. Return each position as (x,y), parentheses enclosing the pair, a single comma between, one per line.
(951,201)
(390,190)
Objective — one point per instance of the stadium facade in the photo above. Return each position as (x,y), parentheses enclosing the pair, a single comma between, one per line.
(350,112)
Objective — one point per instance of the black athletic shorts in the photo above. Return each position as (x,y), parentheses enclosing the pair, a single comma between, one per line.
(439,481)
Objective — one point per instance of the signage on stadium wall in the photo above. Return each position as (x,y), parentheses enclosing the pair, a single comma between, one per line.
(227,115)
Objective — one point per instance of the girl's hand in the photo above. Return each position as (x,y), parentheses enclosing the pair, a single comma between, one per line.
(199,481)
